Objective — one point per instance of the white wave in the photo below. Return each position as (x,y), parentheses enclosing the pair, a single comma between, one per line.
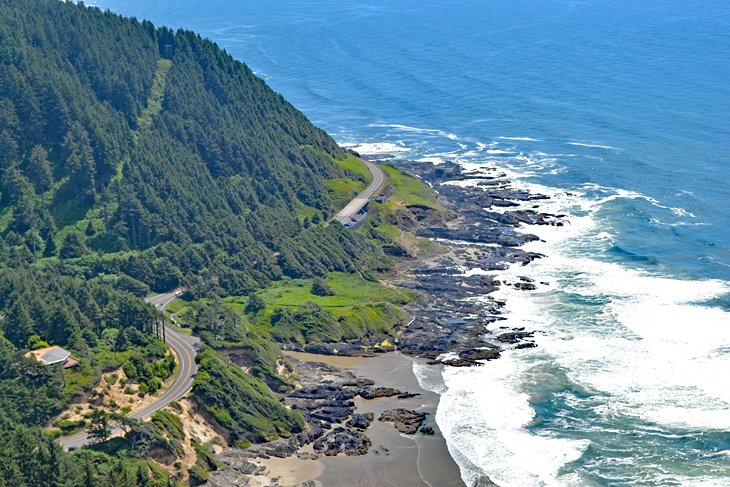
(481,145)
(625,193)
(407,128)
(594,146)
(262,75)
(645,349)
(651,363)
(483,415)
(377,148)
(699,481)
(523,139)
(434,160)
(682,212)
(653,351)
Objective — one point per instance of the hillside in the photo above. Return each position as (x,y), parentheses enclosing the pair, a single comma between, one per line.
(157,149)
(136,159)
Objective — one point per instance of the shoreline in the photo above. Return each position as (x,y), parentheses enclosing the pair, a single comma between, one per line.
(392,458)
(457,322)
(395,458)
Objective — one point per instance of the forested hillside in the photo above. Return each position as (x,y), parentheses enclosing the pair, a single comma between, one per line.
(136,159)
(116,137)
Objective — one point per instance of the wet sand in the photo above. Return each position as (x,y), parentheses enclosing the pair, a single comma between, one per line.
(394,459)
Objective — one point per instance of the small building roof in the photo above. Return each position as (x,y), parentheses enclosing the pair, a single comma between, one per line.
(50,355)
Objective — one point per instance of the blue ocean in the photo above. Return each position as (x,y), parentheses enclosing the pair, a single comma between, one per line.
(617,109)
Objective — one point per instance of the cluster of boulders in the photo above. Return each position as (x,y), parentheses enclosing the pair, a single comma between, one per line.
(450,324)
(404,420)
(325,399)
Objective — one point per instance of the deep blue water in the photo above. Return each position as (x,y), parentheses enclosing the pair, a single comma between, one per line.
(623,103)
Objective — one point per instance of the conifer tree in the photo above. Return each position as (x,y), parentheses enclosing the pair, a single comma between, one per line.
(50,248)
(80,160)
(99,428)
(18,323)
(39,171)
(71,247)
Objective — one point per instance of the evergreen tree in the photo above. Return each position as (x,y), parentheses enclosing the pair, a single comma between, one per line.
(39,170)
(99,428)
(18,323)
(52,468)
(88,474)
(143,479)
(80,160)
(121,342)
(89,229)
(50,248)
(255,304)
(15,186)
(77,343)
(71,247)
(8,150)
(24,213)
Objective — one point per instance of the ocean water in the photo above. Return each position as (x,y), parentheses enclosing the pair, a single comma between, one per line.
(617,109)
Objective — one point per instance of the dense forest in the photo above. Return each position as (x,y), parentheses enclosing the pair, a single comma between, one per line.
(156,148)
(137,159)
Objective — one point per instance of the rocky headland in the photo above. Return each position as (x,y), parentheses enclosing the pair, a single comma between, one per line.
(449,325)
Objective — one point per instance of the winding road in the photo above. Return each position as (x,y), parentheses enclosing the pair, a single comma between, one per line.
(353,207)
(185,349)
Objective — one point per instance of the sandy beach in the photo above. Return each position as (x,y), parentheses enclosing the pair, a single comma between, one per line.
(394,459)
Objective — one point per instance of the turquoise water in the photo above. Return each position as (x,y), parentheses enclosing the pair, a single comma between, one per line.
(621,111)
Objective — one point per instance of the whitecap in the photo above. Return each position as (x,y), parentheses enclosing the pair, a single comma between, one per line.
(486,425)
(418,130)
(523,139)
(377,148)
(433,160)
(593,146)
(628,194)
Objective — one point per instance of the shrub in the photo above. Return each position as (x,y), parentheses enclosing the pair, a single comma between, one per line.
(321,288)
(66,426)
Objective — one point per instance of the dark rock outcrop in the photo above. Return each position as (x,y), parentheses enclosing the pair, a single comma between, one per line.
(360,421)
(404,420)
(343,440)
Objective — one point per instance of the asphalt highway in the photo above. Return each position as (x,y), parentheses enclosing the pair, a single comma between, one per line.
(185,349)
(354,206)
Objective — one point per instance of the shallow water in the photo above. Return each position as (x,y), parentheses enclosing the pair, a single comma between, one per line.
(621,112)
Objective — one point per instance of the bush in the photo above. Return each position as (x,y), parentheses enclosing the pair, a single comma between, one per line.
(67,426)
(321,288)
(198,474)
(255,304)
(154,385)
(35,343)
(129,370)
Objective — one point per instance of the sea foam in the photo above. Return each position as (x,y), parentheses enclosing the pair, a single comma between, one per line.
(639,349)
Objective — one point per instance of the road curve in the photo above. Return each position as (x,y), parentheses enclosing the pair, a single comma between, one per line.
(185,349)
(362,199)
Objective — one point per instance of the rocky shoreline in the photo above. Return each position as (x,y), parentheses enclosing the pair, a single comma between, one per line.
(326,399)
(449,325)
